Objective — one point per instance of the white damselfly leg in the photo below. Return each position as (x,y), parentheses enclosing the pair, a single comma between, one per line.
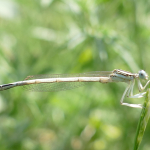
(140,86)
(129,92)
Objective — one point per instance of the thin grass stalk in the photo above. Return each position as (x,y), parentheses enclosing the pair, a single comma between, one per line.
(145,114)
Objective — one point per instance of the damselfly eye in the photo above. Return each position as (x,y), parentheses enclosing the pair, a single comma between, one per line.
(143,75)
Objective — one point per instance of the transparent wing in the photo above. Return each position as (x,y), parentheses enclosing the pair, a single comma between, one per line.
(61,86)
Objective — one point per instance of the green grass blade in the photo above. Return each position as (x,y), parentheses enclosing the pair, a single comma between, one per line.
(143,121)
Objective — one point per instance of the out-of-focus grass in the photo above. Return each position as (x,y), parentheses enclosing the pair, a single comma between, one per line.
(67,36)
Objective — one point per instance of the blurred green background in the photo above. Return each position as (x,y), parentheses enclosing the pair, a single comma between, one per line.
(71,36)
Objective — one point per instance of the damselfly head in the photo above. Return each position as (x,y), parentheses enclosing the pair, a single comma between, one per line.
(143,75)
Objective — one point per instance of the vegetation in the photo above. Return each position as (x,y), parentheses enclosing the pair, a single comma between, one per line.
(143,121)
(71,36)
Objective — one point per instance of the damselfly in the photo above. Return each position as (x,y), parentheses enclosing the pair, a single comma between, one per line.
(58,82)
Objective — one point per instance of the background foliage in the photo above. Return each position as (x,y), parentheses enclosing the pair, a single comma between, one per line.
(71,36)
